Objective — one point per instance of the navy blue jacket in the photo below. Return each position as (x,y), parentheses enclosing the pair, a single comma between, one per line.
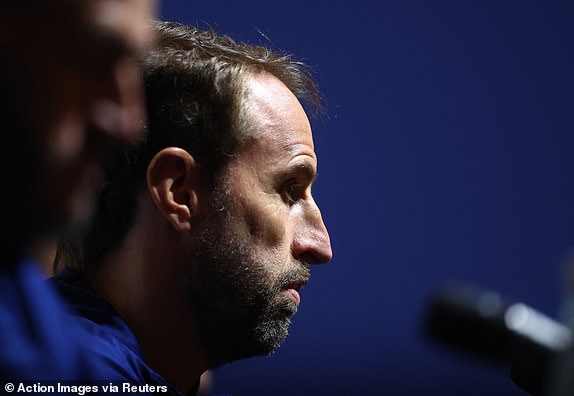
(110,342)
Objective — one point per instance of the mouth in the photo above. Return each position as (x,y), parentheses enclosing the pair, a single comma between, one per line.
(293,289)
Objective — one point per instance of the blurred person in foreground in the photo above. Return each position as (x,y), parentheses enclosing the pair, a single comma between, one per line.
(205,232)
(70,93)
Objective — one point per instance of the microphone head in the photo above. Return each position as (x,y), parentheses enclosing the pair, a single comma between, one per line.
(469,319)
(483,323)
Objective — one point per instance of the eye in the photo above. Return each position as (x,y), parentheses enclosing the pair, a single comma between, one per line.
(292,192)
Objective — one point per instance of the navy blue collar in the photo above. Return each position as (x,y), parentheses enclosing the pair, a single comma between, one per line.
(81,298)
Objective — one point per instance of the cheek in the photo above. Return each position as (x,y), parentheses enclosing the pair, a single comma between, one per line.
(267,224)
(68,139)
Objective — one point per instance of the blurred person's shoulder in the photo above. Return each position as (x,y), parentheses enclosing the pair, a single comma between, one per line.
(36,340)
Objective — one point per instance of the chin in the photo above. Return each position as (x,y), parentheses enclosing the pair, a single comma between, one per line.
(262,340)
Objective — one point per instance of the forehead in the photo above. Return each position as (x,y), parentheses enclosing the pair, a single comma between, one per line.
(274,116)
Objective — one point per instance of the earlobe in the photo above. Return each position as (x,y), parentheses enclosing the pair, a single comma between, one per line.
(172,180)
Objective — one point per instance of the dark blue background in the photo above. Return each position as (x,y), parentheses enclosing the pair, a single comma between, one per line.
(447,154)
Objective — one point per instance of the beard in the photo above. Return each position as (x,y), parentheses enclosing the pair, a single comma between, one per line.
(239,305)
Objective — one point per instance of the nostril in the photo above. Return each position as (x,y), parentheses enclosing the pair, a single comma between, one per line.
(308,258)
(315,254)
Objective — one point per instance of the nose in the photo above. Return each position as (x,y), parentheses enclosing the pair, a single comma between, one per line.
(312,243)
(123,34)
(130,99)
(120,112)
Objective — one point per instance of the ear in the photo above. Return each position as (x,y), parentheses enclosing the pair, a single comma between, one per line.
(173,181)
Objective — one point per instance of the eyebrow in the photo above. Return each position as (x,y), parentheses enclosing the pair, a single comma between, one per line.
(306,168)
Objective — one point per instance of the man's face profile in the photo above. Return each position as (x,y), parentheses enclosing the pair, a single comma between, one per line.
(263,233)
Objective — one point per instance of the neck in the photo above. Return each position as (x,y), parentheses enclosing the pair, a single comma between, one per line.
(147,288)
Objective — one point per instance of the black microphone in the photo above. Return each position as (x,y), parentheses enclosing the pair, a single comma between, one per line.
(484,323)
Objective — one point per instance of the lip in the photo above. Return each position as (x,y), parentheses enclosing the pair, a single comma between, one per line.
(294,294)
(294,289)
